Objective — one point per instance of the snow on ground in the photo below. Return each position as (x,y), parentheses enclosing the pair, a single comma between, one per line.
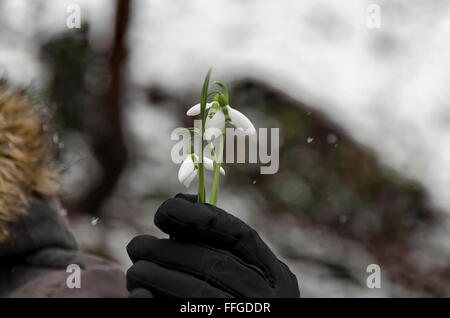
(386,87)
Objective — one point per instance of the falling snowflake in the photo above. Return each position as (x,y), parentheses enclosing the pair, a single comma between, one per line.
(332,138)
(94,221)
(342,218)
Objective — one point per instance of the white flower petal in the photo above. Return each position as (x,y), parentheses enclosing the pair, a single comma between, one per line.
(195,110)
(212,145)
(214,125)
(190,178)
(240,121)
(186,169)
(209,165)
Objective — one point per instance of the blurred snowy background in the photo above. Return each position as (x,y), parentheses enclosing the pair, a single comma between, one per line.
(363,115)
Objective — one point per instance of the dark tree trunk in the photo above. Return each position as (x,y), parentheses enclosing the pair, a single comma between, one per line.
(110,149)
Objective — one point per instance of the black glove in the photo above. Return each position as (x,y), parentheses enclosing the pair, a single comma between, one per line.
(210,254)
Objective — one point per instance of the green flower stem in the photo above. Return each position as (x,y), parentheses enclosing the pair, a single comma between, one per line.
(201,168)
(201,174)
(216,165)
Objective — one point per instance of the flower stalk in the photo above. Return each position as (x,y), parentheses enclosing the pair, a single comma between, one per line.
(216,170)
(214,116)
(201,169)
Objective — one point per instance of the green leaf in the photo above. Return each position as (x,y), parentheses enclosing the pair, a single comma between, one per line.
(201,169)
(204,96)
(224,91)
(223,101)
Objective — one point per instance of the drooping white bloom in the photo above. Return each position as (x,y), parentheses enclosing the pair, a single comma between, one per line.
(216,118)
(214,125)
(240,121)
(188,169)
(195,110)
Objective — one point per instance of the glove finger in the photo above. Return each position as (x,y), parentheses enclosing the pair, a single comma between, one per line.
(220,268)
(170,283)
(189,197)
(140,293)
(209,225)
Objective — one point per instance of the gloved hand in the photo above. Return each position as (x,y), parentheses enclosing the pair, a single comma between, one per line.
(210,254)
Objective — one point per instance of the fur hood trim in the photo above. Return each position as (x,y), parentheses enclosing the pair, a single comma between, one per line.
(25,157)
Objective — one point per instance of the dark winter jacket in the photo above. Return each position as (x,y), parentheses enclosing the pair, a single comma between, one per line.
(34,260)
(36,246)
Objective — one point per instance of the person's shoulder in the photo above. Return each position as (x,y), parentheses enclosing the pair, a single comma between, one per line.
(87,276)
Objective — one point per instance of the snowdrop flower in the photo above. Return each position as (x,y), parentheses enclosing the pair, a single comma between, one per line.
(219,115)
(195,110)
(214,116)
(188,169)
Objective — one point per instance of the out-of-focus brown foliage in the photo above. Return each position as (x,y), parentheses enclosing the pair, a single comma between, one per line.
(329,181)
(328,178)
